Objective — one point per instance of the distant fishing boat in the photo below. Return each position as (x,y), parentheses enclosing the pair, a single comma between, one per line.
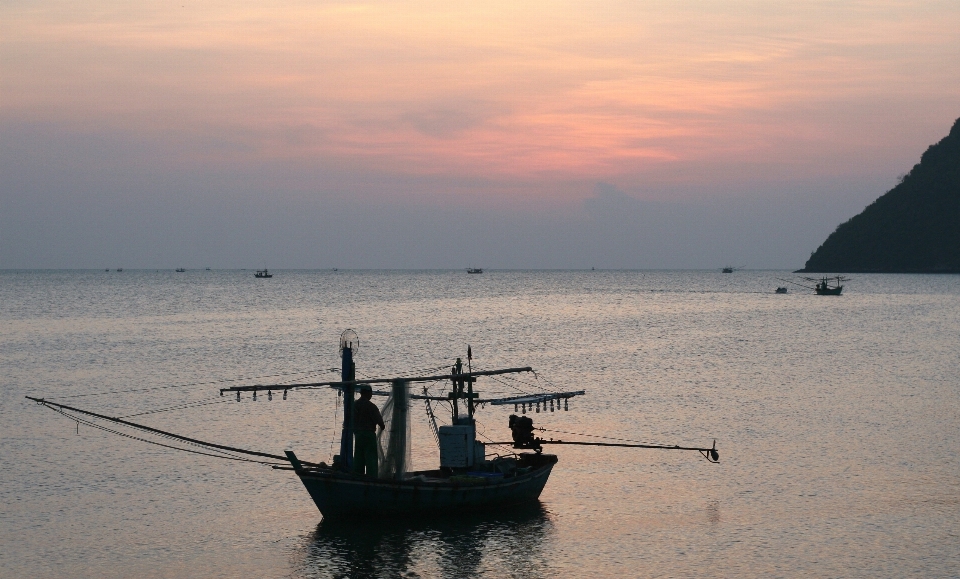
(824,286)
(119,269)
(181,269)
(474,270)
(781,290)
(263,273)
(731,269)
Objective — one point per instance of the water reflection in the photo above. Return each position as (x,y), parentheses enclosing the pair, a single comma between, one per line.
(496,545)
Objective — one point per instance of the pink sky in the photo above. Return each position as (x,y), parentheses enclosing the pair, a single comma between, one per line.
(494,102)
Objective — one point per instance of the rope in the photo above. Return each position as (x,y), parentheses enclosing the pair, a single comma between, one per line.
(158,431)
(595,436)
(183,406)
(79,421)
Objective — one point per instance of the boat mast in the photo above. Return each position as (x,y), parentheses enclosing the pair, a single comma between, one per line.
(459,382)
(348,342)
(470,395)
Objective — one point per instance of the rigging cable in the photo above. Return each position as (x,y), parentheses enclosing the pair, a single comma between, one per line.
(184,406)
(157,431)
(594,436)
(86,422)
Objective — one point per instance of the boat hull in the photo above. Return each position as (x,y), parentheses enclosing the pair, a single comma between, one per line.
(338,494)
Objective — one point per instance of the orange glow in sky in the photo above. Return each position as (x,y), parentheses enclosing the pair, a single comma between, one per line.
(632,93)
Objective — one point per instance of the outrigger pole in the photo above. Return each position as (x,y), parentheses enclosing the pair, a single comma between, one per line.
(711,454)
(346,382)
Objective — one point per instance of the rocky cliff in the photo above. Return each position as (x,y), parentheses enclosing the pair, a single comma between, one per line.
(913,228)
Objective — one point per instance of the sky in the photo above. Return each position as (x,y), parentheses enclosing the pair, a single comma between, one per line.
(423,134)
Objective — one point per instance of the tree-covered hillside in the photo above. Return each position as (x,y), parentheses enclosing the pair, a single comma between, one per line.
(913,228)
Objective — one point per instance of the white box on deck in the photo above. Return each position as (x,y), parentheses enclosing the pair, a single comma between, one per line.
(457,445)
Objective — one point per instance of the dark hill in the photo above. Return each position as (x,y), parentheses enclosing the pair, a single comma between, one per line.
(913,228)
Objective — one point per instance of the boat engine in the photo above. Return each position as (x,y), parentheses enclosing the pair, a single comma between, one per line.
(522,429)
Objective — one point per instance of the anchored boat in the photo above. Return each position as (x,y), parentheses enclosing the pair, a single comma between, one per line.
(469,478)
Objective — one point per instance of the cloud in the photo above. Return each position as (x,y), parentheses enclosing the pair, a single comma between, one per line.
(443,121)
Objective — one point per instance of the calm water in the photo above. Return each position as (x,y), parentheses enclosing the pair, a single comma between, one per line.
(837,419)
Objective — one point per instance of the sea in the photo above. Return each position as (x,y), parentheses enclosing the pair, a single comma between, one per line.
(837,421)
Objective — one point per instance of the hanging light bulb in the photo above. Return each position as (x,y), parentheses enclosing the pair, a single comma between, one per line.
(565,405)
(538,407)
(551,405)
(524,408)
(284,394)
(254,395)
(238,396)
(269,395)
(514,407)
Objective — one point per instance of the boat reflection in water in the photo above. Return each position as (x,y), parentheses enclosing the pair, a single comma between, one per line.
(506,544)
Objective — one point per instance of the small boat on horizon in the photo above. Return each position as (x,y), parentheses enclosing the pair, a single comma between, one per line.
(474,270)
(263,273)
(824,286)
(181,269)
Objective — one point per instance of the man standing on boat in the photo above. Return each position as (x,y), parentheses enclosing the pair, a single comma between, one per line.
(366,419)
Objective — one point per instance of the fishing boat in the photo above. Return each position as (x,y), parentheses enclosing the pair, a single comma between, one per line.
(263,273)
(181,269)
(781,290)
(827,287)
(469,476)
(474,270)
(823,286)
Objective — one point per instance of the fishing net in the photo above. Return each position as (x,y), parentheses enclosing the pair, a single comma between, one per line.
(394,440)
